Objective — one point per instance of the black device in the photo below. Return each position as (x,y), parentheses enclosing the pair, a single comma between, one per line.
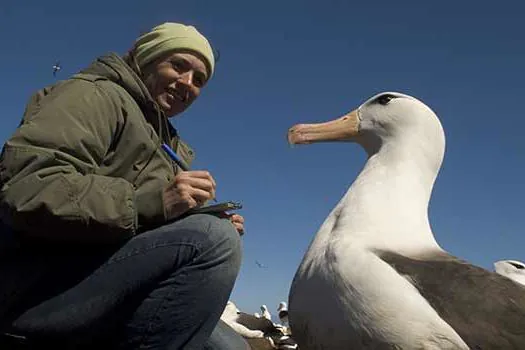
(216,208)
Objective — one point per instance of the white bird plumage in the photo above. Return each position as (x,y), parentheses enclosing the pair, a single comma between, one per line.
(282,312)
(230,316)
(260,333)
(265,312)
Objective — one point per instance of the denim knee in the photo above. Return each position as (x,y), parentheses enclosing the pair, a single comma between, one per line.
(224,337)
(215,237)
(222,233)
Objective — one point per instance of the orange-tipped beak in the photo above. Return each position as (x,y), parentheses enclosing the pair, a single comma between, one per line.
(344,128)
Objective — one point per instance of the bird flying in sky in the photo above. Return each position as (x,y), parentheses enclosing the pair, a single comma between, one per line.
(262,266)
(56,68)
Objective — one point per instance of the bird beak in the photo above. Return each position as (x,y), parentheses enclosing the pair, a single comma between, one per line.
(344,128)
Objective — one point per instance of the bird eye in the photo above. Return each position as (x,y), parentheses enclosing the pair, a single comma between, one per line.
(518,266)
(384,99)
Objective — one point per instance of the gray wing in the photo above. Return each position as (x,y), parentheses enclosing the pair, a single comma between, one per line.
(486,309)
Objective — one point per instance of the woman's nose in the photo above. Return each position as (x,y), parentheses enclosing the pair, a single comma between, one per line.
(186,78)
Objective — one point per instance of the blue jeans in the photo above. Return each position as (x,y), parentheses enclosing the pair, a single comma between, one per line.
(163,289)
(224,337)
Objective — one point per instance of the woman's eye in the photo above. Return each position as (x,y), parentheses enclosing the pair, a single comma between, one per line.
(199,78)
(176,65)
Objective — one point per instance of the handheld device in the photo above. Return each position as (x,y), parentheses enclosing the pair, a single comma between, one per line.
(216,208)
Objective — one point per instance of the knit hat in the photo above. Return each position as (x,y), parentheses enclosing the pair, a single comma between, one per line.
(169,37)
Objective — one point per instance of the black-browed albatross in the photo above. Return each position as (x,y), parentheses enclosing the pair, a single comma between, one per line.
(374,276)
(282,312)
(260,333)
(513,269)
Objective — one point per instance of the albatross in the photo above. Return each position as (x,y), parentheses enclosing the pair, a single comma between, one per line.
(260,333)
(265,312)
(374,276)
(513,269)
(246,325)
(282,311)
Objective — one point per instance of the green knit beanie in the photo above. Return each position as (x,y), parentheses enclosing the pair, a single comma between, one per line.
(169,37)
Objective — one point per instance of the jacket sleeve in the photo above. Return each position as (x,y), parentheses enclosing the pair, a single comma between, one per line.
(47,169)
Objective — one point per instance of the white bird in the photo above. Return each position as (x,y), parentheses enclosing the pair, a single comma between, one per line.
(513,269)
(232,317)
(374,276)
(265,313)
(56,68)
(260,333)
(282,311)
(256,314)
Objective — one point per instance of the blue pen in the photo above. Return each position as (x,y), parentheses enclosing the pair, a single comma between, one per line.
(176,159)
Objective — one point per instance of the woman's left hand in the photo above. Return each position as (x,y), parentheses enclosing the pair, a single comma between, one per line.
(237,221)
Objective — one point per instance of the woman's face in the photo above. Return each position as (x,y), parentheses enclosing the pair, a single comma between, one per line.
(175,81)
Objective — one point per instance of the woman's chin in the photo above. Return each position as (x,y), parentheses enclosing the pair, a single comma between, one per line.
(171,106)
(168,108)
(172,110)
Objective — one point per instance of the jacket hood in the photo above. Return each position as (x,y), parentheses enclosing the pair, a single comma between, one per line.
(116,69)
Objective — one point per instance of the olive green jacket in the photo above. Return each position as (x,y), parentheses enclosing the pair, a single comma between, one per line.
(86,162)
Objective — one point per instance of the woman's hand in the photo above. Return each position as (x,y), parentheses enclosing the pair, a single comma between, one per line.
(237,221)
(188,190)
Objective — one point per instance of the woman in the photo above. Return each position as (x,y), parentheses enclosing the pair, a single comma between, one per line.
(101,248)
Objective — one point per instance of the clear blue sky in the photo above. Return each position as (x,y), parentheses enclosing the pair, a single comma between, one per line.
(284,62)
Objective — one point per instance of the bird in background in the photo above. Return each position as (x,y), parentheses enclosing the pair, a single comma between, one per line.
(262,266)
(265,313)
(282,311)
(56,68)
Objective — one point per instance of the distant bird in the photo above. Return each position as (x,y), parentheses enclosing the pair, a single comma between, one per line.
(282,311)
(232,316)
(56,68)
(259,332)
(513,269)
(265,313)
(258,315)
(262,266)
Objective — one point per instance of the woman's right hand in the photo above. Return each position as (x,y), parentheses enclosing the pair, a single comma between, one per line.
(188,190)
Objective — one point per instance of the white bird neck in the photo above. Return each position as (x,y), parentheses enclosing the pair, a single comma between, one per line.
(386,207)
